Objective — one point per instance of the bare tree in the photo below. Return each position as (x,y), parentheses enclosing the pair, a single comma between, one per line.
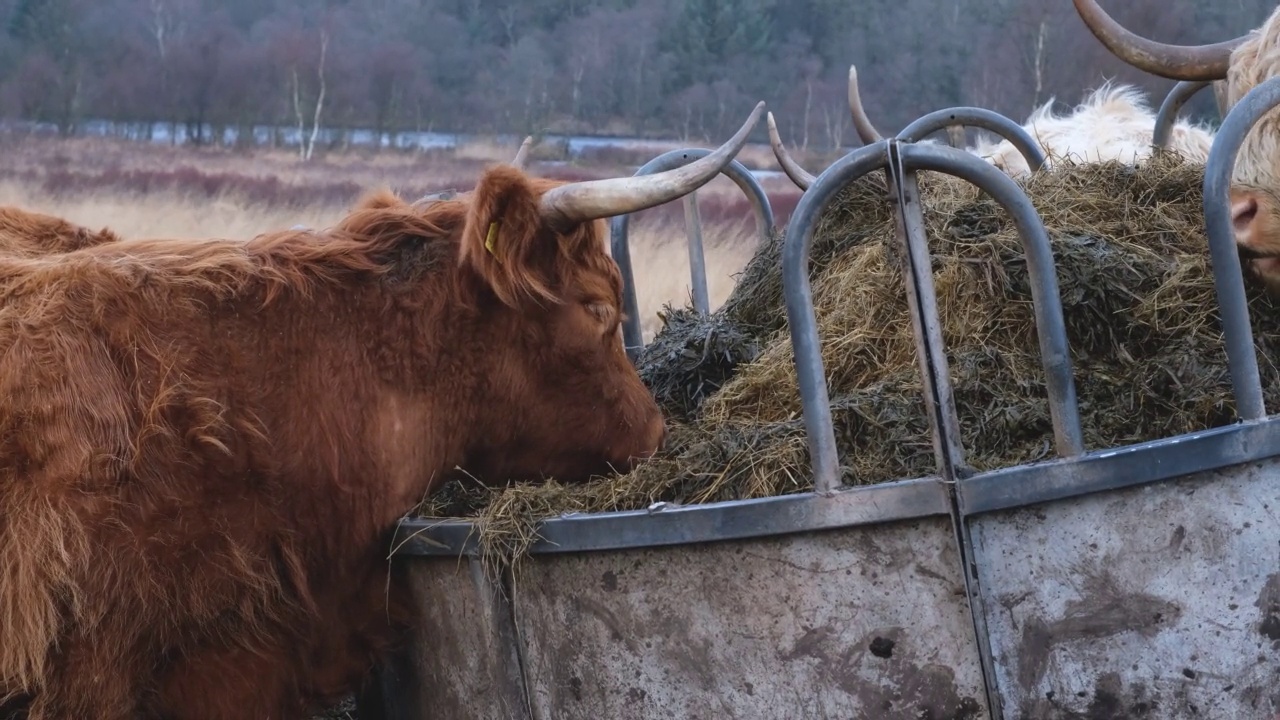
(1038,62)
(307,145)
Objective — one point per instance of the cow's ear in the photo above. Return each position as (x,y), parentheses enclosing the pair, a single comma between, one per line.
(505,240)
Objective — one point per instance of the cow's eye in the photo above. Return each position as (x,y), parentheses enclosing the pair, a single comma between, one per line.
(601,311)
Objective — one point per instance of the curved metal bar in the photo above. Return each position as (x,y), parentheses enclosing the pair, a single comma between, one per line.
(802,319)
(1173,102)
(1228,278)
(981,118)
(633,338)
(1050,326)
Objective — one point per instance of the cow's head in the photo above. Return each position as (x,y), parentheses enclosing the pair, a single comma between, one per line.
(1255,179)
(554,392)
(1237,66)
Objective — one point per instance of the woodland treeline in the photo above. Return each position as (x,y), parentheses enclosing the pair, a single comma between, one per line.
(686,68)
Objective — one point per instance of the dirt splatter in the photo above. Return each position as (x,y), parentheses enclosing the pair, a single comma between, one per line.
(882,647)
(1268,605)
(902,689)
(609,581)
(1110,701)
(1104,610)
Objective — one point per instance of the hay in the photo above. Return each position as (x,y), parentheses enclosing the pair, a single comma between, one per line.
(1141,317)
(692,358)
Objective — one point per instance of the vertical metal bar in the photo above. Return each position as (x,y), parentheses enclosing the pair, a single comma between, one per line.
(909,282)
(632,336)
(1168,114)
(802,320)
(943,419)
(697,261)
(980,118)
(923,301)
(955,135)
(1228,277)
(1050,326)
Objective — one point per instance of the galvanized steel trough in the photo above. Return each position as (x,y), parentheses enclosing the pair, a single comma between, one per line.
(1108,582)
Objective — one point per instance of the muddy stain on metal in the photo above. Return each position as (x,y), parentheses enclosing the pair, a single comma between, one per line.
(465,661)
(862,622)
(1160,601)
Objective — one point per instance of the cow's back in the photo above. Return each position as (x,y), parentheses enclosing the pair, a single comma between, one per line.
(28,233)
(138,492)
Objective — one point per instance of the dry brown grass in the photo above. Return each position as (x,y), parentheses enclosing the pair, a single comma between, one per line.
(152,190)
(167,213)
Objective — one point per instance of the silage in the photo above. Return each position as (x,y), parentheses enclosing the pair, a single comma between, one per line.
(1141,317)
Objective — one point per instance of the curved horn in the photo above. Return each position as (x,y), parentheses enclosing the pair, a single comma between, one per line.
(582,201)
(1177,62)
(798,175)
(861,122)
(522,155)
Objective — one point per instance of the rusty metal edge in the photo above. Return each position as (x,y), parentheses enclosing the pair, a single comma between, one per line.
(1117,468)
(671,524)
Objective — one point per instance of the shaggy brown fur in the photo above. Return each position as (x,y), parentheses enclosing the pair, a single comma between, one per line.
(27,233)
(204,444)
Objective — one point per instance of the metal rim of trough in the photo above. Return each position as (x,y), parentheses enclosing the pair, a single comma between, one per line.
(633,337)
(977,117)
(1002,489)
(1172,105)
(1255,439)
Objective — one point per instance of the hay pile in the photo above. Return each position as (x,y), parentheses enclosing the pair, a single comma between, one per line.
(1141,314)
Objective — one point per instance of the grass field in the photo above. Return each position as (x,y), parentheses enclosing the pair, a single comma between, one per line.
(153,190)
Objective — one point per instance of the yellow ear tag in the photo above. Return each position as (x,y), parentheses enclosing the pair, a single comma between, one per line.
(489,239)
